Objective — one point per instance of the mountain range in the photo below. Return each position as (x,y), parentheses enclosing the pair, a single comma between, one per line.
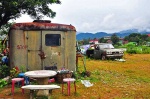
(121,34)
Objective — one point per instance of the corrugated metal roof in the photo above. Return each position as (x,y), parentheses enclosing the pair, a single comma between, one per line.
(42,26)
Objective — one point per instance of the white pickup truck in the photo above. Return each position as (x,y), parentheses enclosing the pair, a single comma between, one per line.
(104,51)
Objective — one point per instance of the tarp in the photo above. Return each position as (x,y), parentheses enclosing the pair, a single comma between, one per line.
(84,48)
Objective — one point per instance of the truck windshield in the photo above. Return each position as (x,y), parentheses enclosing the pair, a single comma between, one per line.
(106,46)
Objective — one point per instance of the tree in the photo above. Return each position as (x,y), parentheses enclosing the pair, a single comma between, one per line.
(5,28)
(148,39)
(114,39)
(144,37)
(102,40)
(137,37)
(37,9)
(86,41)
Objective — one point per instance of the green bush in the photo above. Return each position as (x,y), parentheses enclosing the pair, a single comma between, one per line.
(4,71)
(138,50)
(3,83)
(131,51)
(146,50)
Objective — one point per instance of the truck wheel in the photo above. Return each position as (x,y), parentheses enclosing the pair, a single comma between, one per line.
(103,57)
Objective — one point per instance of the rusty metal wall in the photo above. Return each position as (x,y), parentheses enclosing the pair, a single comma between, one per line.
(54,54)
(61,56)
(25,47)
(33,40)
(70,50)
(18,48)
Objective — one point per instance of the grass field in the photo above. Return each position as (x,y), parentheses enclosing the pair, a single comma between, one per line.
(111,79)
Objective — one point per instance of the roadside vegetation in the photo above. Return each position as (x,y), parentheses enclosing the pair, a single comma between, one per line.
(134,49)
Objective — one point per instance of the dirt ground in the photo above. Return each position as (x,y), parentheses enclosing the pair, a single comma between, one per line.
(111,80)
(5,93)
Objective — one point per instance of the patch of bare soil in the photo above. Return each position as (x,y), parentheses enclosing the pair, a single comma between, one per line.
(5,93)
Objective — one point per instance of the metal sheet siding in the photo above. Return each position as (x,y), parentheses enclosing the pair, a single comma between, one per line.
(54,54)
(33,50)
(70,50)
(27,40)
(18,52)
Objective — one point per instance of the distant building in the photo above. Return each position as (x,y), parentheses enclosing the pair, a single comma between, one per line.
(148,44)
(125,42)
(148,35)
(109,41)
(121,40)
(95,41)
(107,37)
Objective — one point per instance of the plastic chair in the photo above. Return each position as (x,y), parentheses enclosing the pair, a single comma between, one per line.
(14,80)
(68,80)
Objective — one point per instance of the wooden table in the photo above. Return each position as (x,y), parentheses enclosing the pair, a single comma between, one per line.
(42,77)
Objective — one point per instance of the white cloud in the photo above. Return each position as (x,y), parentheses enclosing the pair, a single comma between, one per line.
(102,15)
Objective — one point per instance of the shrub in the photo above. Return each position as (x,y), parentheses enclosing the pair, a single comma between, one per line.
(14,72)
(2,83)
(23,69)
(146,50)
(131,50)
(4,71)
(138,50)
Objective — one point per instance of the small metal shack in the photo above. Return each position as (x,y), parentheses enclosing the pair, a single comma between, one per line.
(41,43)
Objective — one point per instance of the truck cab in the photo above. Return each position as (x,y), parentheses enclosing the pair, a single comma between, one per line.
(104,51)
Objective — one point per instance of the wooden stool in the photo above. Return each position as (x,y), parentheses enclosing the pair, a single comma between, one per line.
(14,80)
(68,80)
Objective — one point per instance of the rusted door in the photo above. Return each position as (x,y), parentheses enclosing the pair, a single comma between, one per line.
(34,46)
(53,47)
(45,48)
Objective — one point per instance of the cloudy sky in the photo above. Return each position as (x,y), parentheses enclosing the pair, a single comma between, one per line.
(101,15)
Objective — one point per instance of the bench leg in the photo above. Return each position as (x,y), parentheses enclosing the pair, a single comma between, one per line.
(50,91)
(31,94)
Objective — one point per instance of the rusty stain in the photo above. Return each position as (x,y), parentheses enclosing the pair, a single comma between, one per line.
(24,37)
(42,26)
(58,53)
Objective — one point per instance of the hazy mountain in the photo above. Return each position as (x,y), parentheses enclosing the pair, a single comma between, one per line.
(81,36)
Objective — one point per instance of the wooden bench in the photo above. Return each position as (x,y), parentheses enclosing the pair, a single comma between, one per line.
(48,89)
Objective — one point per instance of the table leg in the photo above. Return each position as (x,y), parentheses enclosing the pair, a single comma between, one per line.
(42,81)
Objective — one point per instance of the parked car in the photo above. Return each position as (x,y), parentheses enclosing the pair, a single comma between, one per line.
(104,51)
